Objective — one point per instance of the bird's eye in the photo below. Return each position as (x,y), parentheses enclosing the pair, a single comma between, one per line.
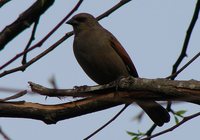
(81,19)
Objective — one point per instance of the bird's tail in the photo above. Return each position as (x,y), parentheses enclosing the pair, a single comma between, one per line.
(155,111)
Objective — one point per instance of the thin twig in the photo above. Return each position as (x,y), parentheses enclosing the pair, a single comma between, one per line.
(44,39)
(20,94)
(150,131)
(33,60)
(106,124)
(4,134)
(111,10)
(182,68)
(30,40)
(53,82)
(185,119)
(12,90)
(187,38)
(60,23)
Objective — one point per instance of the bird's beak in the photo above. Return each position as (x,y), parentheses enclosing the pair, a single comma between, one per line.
(72,22)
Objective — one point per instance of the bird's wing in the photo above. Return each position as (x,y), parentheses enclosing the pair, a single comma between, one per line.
(124,55)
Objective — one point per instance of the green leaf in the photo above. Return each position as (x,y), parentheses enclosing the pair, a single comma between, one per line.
(176,119)
(135,138)
(180,113)
(132,133)
(141,133)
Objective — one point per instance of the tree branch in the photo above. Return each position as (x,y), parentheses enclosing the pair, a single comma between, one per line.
(185,119)
(33,60)
(114,8)
(50,114)
(43,39)
(4,135)
(128,90)
(24,21)
(134,88)
(3,2)
(187,39)
(172,76)
(32,37)
(106,124)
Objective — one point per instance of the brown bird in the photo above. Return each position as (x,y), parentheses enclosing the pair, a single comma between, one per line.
(104,59)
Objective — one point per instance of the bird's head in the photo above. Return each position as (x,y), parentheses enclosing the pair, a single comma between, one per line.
(83,21)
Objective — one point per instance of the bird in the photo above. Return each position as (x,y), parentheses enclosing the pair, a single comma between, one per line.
(104,60)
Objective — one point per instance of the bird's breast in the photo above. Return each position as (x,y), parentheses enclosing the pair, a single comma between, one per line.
(98,59)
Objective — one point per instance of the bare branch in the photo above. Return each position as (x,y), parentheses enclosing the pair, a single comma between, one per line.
(129,90)
(20,94)
(106,124)
(185,119)
(182,68)
(83,91)
(187,38)
(3,2)
(12,90)
(145,89)
(50,114)
(114,8)
(4,134)
(30,40)
(33,60)
(150,131)
(42,40)
(24,21)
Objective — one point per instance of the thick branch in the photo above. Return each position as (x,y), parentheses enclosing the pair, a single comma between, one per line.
(24,21)
(3,2)
(50,114)
(127,90)
(140,88)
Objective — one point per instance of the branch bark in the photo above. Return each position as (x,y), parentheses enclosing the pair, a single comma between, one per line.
(24,21)
(3,2)
(134,89)
(102,97)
